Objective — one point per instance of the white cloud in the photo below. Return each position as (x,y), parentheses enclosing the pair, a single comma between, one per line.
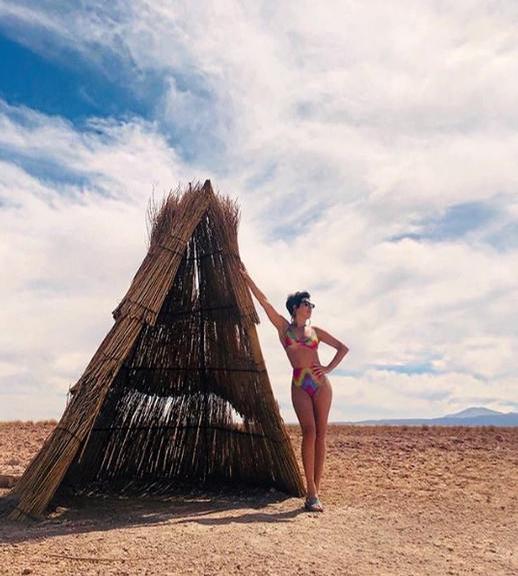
(338,126)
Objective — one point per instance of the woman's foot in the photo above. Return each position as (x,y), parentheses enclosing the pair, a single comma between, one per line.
(313,504)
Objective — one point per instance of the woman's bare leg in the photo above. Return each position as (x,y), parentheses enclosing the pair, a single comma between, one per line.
(304,409)
(322,404)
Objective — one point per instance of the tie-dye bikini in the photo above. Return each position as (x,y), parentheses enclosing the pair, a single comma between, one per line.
(303,377)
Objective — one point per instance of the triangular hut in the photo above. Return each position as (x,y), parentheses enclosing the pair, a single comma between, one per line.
(157,404)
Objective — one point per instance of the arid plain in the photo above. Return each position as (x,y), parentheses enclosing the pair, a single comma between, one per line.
(399,501)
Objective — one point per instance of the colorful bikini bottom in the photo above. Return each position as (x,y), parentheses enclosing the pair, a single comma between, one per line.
(304,378)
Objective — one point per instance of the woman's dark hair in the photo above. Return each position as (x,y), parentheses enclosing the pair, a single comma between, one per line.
(294,301)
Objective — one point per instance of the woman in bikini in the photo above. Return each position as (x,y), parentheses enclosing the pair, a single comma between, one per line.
(311,391)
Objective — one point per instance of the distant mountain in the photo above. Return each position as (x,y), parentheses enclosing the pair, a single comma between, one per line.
(475,416)
(475,411)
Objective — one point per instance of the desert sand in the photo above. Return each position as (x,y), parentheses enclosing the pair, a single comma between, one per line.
(399,501)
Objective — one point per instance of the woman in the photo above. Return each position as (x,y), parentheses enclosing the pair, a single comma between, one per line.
(311,391)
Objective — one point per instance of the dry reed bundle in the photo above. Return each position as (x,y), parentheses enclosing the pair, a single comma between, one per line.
(160,403)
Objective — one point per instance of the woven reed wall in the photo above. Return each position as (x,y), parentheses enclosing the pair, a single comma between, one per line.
(157,403)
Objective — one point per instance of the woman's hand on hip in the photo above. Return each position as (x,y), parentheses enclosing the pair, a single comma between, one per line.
(319,370)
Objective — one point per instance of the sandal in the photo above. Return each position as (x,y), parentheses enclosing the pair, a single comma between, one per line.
(313,504)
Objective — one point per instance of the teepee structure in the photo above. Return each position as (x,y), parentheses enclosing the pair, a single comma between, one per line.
(177,391)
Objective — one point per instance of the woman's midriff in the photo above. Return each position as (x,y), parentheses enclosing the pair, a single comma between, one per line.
(302,357)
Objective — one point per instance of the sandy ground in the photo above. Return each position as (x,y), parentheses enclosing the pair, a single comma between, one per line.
(399,501)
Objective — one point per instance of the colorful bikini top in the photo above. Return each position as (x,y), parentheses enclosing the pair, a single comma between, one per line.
(291,340)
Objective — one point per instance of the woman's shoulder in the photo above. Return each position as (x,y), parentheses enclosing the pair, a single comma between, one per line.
(318,331)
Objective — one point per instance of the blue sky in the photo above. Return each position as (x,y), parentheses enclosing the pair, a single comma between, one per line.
(372,150)
(69,86)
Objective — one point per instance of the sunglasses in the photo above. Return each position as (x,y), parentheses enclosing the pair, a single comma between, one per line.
(307,303)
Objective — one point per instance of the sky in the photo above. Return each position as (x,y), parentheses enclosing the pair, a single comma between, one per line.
(372,149)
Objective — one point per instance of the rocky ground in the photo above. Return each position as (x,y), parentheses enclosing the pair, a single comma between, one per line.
(399,501)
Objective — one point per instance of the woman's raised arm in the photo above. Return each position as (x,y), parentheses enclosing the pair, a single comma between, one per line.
(276,319)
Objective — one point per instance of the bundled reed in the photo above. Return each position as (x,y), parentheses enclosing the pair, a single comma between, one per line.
(178,390)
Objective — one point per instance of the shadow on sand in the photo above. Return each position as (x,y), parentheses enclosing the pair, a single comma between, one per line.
(76,514)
